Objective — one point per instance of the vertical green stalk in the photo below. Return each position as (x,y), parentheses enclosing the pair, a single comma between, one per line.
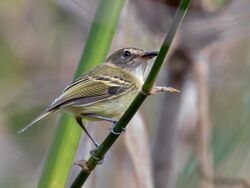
(66,139)
(127,116)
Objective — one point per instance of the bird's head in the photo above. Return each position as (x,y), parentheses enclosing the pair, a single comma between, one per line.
(132,59)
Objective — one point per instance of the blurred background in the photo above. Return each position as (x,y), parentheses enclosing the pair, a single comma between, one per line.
(199,137)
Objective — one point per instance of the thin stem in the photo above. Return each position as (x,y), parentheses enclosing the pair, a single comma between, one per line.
(122,123)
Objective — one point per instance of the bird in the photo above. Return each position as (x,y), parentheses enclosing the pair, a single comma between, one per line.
(106,91)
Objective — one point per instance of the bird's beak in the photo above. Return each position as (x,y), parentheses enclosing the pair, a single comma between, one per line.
(149,55)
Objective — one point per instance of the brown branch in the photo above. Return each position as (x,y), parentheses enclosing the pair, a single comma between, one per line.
(203,124)
(200,70)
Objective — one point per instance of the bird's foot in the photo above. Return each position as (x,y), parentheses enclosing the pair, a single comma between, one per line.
(111,129)
(93,155)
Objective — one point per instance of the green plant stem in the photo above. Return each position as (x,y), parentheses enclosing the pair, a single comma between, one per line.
(122,123)
(67,136)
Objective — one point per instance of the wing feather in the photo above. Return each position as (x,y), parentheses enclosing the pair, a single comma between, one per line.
(88,90)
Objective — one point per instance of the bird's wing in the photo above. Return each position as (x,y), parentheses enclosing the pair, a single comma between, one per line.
(91,89)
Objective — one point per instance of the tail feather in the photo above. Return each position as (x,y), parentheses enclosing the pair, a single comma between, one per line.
(41,116)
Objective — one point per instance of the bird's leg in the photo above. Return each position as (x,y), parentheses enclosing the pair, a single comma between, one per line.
(159,89)
(92,152)
(111,129)
(100,118)
(79,121)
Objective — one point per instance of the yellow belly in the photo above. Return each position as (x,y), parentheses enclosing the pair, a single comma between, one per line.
(113,108)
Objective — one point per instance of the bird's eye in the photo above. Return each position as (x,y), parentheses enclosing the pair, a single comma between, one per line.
(126,53)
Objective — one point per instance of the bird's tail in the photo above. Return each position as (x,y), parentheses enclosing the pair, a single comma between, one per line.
(41,116)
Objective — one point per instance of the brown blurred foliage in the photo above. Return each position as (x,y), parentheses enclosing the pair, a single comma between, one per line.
(205,126)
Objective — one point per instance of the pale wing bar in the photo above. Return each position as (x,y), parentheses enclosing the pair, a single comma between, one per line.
(89,90)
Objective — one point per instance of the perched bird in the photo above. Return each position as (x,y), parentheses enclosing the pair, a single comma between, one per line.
(106,91)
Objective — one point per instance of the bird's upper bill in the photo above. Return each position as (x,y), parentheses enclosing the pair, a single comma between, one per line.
(149,55)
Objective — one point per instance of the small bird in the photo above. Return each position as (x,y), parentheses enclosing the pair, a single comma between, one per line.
(106,91)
